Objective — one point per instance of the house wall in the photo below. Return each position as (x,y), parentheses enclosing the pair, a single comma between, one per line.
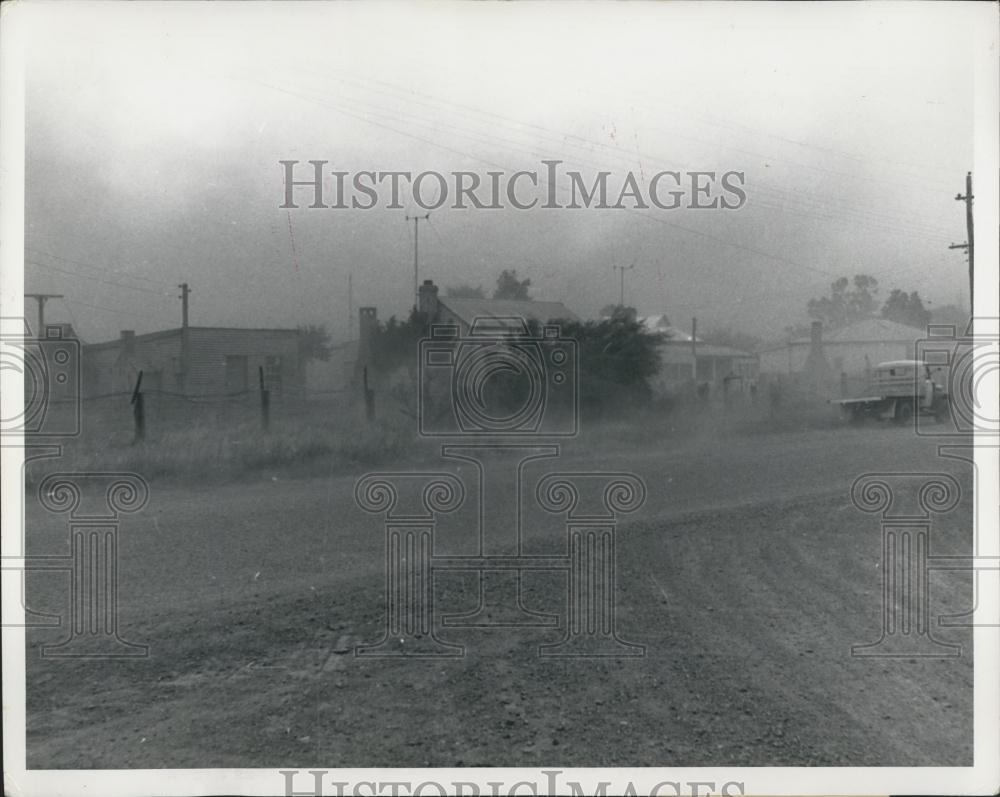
(209,348)
(110,369)
(677,368)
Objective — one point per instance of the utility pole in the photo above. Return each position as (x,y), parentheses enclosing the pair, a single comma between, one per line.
(621,288)
(42,298)
(416,285)
(350,305)
(969,245)
(185,343)
(185,290)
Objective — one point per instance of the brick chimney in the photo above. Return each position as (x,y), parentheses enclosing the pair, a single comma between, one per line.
(816,369)
(128,343)
(429,300)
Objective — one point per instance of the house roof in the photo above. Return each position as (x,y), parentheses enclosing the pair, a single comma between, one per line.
(870,330)
(661,324)
(706,349)
(166,333)
(468,310)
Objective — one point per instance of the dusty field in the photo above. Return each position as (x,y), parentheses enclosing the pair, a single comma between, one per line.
(748,575)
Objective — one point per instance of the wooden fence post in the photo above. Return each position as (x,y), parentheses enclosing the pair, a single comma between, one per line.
(138,411)
(265,401)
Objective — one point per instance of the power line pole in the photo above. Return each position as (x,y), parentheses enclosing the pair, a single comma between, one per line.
(185,343)
(621,287)
(416,285)
(185,290)
(350,305)
(970,245)
(42,298)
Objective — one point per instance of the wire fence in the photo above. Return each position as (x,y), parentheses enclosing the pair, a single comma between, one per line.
(147,414)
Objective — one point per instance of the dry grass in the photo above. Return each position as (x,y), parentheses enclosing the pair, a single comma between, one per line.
(220,449)
(226,443)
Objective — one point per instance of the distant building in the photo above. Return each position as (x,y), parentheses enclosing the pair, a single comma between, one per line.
(853,350)
(686,361)
(660,324)
(195,361)
(462,312)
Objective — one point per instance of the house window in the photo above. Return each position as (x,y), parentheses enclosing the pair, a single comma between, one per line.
(272,373)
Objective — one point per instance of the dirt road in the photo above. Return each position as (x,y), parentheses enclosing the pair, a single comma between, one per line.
(748,574)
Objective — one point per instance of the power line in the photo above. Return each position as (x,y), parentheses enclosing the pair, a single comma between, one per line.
(115,310)
(96,279)
(96,268)
(804,205)
(407,95)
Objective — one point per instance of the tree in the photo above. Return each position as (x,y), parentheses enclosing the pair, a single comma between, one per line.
(465,292)
(906,309)
(314,343)
(849,301)
(617,357)
(394,343)
(510,287)
(619,311)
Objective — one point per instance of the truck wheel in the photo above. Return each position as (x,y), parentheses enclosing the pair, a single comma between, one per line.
(856,416)
(904,412)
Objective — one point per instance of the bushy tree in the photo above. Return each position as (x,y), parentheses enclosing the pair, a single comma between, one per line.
(612,310)
(617,357)
(394,343)
(906,309)
(849,301)
(510,287)
(465,292)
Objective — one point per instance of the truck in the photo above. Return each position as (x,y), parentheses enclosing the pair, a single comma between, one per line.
(898,389)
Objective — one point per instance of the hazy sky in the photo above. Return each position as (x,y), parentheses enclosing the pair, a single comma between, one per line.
(155,131)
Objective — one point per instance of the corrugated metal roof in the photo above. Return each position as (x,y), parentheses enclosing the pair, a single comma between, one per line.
(468,310)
